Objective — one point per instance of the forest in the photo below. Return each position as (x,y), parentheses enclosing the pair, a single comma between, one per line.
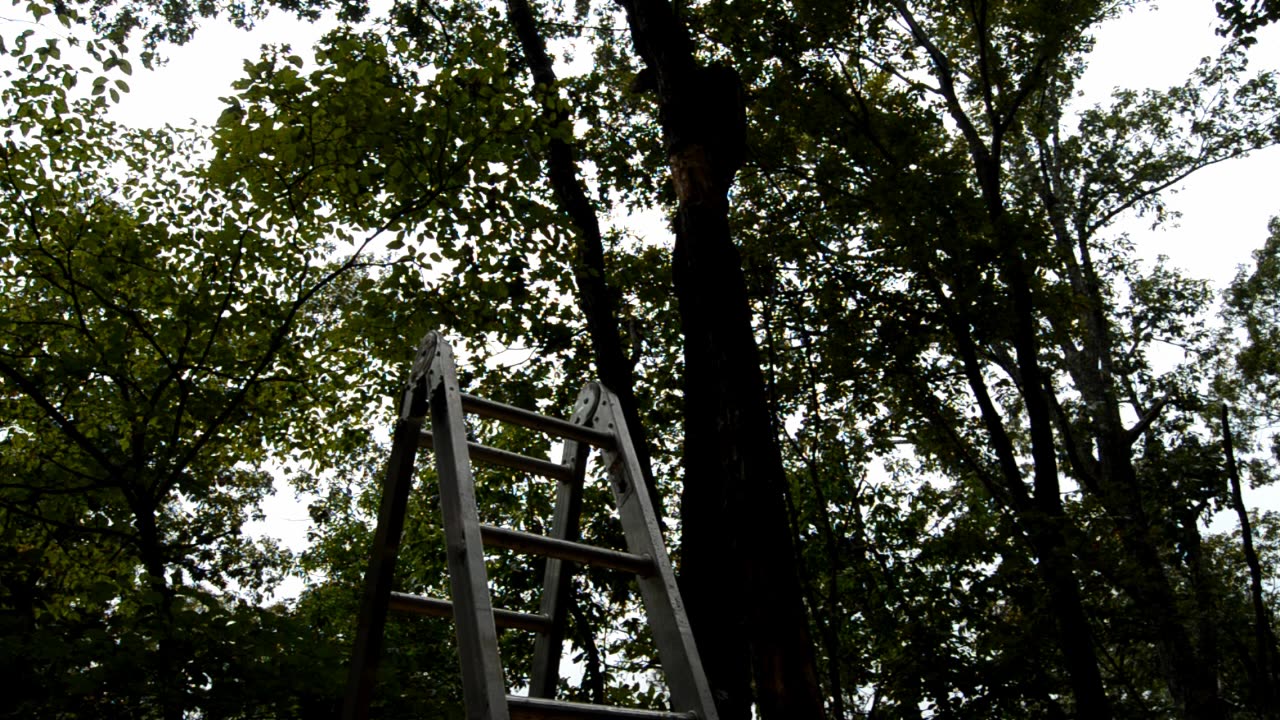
(929,436)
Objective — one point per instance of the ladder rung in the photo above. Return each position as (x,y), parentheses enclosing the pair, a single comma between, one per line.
(435,607)
(565,550)
(520,416)
(526,708)
(484,453)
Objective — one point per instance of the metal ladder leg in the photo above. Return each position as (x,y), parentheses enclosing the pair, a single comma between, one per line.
(380,574)
(668,621)
(483,684)
(558,577)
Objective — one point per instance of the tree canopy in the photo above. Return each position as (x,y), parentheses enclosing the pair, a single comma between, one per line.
(905,387)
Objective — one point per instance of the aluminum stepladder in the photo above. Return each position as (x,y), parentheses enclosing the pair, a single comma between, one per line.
(597,422)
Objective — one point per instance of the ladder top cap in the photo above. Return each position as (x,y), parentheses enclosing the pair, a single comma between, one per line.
(426,351)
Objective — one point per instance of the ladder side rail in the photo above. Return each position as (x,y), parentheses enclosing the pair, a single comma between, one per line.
(557,583)
(483,683)
(668,621)
(362,674)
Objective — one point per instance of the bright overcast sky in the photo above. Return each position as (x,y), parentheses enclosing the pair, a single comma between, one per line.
(1225,208)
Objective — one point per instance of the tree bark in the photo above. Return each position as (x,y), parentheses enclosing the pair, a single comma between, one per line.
(738,574)
(1039,514)
(596,298)
(1046,523)
(171,687)
(1266,696)
(1190,677)
(1191,680)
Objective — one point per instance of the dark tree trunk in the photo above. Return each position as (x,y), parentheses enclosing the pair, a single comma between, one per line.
(738,574)
(596,299)
(1189,675)
(170,685)
(1045,521)
(1039,513)
(1266,696)
(1203,592)
(1191,679)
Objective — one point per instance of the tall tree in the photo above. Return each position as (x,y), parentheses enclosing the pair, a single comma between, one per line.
(737,572)
(732,465)
(1253,305)
(164,341)
(597,299)
(918,99)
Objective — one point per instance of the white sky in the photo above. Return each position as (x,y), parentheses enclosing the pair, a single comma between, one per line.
(1224,209)
(187,87)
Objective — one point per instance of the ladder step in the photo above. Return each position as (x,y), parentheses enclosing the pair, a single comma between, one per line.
(565,550)
(519,416)
(494,456)
(526,708)
(435,607)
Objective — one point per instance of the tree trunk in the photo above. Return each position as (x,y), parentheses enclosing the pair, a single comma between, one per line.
(1190,677)
(1203,593)
(596,299)
(1045,524)
(738,574)
(1266,697)
(1191,680)
(1039,514)
(170,685)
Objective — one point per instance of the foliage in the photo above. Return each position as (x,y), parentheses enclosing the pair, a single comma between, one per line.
(962,354)
(159,349)
(1254,304)
(1245,17)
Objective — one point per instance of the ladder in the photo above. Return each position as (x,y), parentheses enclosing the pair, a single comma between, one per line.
(596,423)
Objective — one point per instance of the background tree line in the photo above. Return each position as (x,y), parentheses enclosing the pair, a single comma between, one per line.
(900,377)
